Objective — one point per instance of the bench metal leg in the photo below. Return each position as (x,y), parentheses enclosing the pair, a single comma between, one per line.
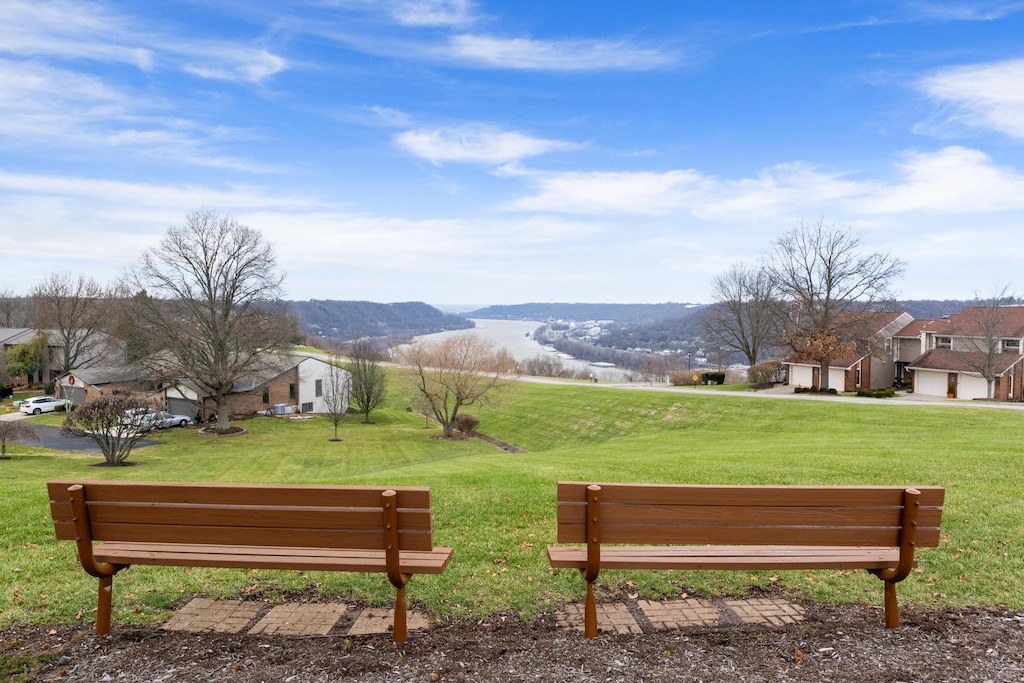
(400,628)
(892,610)
(590,613)
(103,605)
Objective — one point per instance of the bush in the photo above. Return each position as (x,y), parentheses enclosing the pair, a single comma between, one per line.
(48,388)
(815,390)
(467,423)
(877,393)
(712,378)
(681,379)
(764,375)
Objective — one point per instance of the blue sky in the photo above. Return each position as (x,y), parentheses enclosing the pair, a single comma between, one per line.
(484,152)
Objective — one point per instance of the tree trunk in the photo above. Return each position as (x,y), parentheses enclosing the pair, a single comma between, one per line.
(223,423)
(823,378)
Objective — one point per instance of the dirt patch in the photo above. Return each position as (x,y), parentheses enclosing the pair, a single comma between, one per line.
(840,643)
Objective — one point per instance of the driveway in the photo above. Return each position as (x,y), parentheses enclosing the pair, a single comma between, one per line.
(54,439)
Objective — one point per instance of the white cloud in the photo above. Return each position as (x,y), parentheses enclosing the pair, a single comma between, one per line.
(434,12)
(983,96)
(952,180)
(564,55)
(78,30)
(476,144)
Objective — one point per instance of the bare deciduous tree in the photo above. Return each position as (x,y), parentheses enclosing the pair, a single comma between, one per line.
(980,330)
(14,431)
(336,390)
(12,309)
(369,380)
(455,373)
(76,312)
(826,283)
(212,303)
(112,421)
(743,315)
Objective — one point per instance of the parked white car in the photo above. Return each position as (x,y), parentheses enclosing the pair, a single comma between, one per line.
(41,404)
(148,419)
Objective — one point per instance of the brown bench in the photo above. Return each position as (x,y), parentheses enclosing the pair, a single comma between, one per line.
(658,526)
(254,526)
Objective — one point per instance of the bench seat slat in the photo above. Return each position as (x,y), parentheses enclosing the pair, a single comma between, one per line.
(746,535)
(266,557)
(727,557)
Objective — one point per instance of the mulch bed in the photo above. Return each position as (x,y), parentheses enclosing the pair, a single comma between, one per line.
(835,643)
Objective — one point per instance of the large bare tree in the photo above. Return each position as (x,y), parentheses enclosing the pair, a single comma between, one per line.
(455,373)
(743,315)
(12,309)
(826,284)
(75,311)
(209,294)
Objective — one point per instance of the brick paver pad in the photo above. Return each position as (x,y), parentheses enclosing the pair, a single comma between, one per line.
(309,619)
(207,614)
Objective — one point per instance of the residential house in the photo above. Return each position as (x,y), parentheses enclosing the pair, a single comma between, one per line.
(954,354)
(104,349)
(872,367)
(81,385)
(288,385)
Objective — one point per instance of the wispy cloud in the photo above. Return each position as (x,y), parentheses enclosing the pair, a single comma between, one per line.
(987,96)
(977,10)
(481,144)
(563,55)
(78,30)
(950,181)
(434,12)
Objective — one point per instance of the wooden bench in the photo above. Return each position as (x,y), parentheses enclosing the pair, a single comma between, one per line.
(255,526)
(875,528)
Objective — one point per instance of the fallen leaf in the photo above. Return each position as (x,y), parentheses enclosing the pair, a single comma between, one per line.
(799,657)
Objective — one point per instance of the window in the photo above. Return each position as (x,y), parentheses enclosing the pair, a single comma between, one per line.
(266,396)
(888,344)
(943,343)
(307,407)
(1011,345)
(291,392)
(319,388)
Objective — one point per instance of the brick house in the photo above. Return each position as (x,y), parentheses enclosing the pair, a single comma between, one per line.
(873,367)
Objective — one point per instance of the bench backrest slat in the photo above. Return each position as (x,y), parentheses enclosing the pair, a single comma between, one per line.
(278,515)
(747,515)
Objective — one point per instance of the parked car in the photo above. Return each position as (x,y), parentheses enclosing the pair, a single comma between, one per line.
(149,419)
(41,404)
(168,420)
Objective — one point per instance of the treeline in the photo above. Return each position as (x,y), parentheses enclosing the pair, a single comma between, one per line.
(342,321)
(627,314)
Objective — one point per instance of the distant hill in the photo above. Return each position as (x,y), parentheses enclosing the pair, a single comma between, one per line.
(341,321)
(626,314)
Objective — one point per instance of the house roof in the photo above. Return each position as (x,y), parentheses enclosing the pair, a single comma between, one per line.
(100,375)
(844,363)
(914,328)
(960,361)
(972,322)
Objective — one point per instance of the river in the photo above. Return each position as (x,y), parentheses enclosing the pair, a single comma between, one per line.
(516,337)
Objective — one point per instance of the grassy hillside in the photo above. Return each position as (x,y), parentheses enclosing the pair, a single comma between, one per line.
(497,508)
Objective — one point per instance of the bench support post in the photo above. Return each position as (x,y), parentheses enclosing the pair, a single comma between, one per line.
(593,559)
(908,541)
(389,503)
(104,605)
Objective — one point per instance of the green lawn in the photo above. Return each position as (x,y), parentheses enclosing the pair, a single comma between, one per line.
(497,509)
